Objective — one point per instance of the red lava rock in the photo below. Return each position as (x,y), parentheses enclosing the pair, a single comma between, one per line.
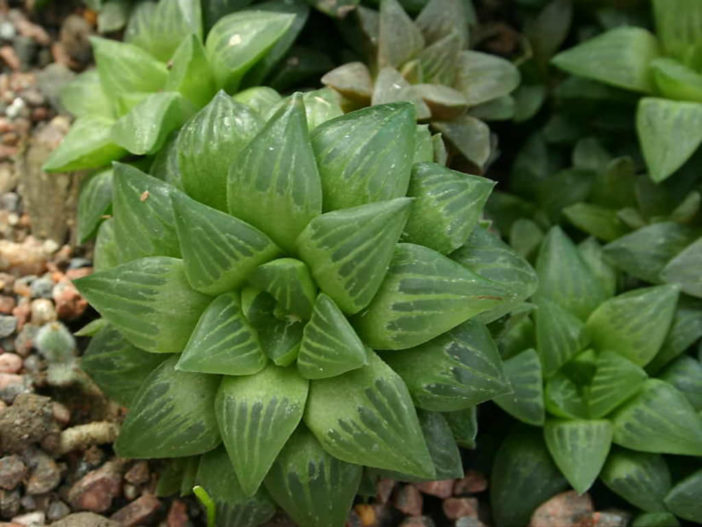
(69,302)
(177,514)
(12,471)
(563,510)
(138,473)
(455,508)
(408,500)
(9,57)
(384,490)
(441,489)
(7,304)
(10,363)
(95,491)
(472,483)
(137,511)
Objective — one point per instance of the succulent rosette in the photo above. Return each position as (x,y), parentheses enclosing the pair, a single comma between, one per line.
(310,294)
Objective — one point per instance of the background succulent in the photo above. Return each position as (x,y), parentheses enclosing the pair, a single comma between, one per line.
(312,285)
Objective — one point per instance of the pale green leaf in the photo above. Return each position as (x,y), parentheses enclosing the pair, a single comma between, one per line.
(593,255)
(526,402)
(391,87)
(674,80)
(482,77)
(290,283)
(439,18)
(684,270)
(399,39)
(107,252)
(352,80)
(190,72)
(166,26)
(616,379)
(261,99)
(564,398)
(678,24)
(94,203)
(470,136)
(439,59)
(558,335)
(84,96)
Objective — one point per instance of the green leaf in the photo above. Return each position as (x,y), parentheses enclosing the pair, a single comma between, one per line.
(500,109)
(635,323)
(94,203)
(223,342)
(669,133)
(615,380)
(138,30)
(684,270)
(424,294)
(365,156)
(125,68)
(593,255)
(442,446)
(144,219)
(262,99)
(313,487)
(601,222)
(148,300)
(348,251)
(526,402)
(439,18)
(678,26)
(454,371)
(208,145)
(564,398)
(190,73)
(256,415)
(482,77)
(116,366)
(620,57)
(290,283)
(352,80)
(219,251)
(686,375)
(579,449)
(659,419)
(361,416)
(674,80)
(641,479)
(391,87)
(470,136)
(213,10)
(172,415)
(684,498)
(558,335)
(685,330)
(548,29)
(656,519)
(274,183)
(447,206)
(329,344)
(464,426)
(106,252)
(84,96)
(171,22)
(87,145)
(523,477)
(399,39)
(146,127)
(565,278)
(233,507)
(439,59)
(113,16)
(239,40)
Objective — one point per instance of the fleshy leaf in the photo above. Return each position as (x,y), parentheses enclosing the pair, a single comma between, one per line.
(558,335)
(313,487)
(678,26)
(684,331)
(149,300)
(208,145)
(659,419)
(223,342)
(116,366)
(84,96)
(454,371)
(169,23)
(94,203)
(190,74)
(593,254)
(564,398)
(274,183)
(348,251)
(262,99)
(482,77)
(439,18)
(329,344)
(686,375)
(579,448)
(674,80)
(219,251)
(361,416)
(598,221)
(620,57)
(447,206)
(470,136)
(172,415)
(439,59)
(289,282)
(641,479)
(106,250)
(423,295)
(684,270)
(442,446)
(464,426)
(399,39)
(634,323)
(366,155)
(615,380)
(391,87)
(256,415)
(526,402)
(684,498)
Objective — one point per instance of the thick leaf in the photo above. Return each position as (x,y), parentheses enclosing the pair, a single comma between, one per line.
(523,477)
(678,26)
(526,402)
(190,73)
(669,132)
(165,163)
(564,398)
(579,449)
(439,18)
(615,380)
(601,222)
(684,270)
(641,479)
(313,487)
(87,145)
(172,415)
(106,253)
(113,16)
(439,59)
(548,29)
(470,136)
(239,40)
(321,106)
(442,446)
(348,251)
(399,39)
(454,371)
(464,426)
(659,419)
(558,335)
(148,300)
(213,10)
(423,295)
(256,415)
(118,368)
(289,282)
(262,99)
(170,22)
(219,251)
(635,323)
(274,183)
(391,87)
(84,96)
(447,206)
(685,330)
(500,109)
(593,255)
(366,155)
(656,519)
(144,219)
(223,342)
(620,57)
(352,80)
(674,80)
(686,375)
(482,77)
(94,203)
(684,498)
(208,145)
(329,344)
(564,278)
(146,127)
(361,416)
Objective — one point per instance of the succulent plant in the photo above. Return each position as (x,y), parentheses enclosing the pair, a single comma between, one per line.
(608,378)
(314,298)
(427,61)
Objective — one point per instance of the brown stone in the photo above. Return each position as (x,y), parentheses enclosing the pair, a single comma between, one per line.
(472,483)
(7,304)
(69,302)
(12,471)
(45,475)
(418,521)
(605,519)
(95,491)
(10,363)
(138,473)
(9,57)
(24,258)
(563,510)
(455,508)
(26,422)
(85,519)
(177,515)
(441,489)
(408,500)
(137,511)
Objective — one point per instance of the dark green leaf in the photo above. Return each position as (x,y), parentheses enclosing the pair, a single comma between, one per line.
(684,331)
(94,203)
(601,222)
(615,380)
(686,375)
(290,283)
(684,270)
(564,398)
(684,498)
(464,426)
(558,335)
(593,255)
(526,402)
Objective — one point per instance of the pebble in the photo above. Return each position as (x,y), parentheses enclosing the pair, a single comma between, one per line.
(31,519)
(74,37)
(455,508)
(25,339)
(42,287)
(7,304)
(468,521)
(418,521)
(69,302)
(408,500)
(24,423)
(10,363)
(9,381)
(138,511)
(384,490)
(45,475)
(7,30)
(564,509)
(95,491)
(9,503)
(85,519)
(57,510)
(8,325)
(9,57)
(43,311)
(62,415)
(472,483)
(26,49)
(12,471)
(130,491)
(441,489)
(138,473)
(177,515)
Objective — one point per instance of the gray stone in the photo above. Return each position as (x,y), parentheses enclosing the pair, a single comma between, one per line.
(9,503)
(85,519)
(12,471)
(45,475)
(51,80)
(26,50)
(42,287)
(8,325)
(57,510)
